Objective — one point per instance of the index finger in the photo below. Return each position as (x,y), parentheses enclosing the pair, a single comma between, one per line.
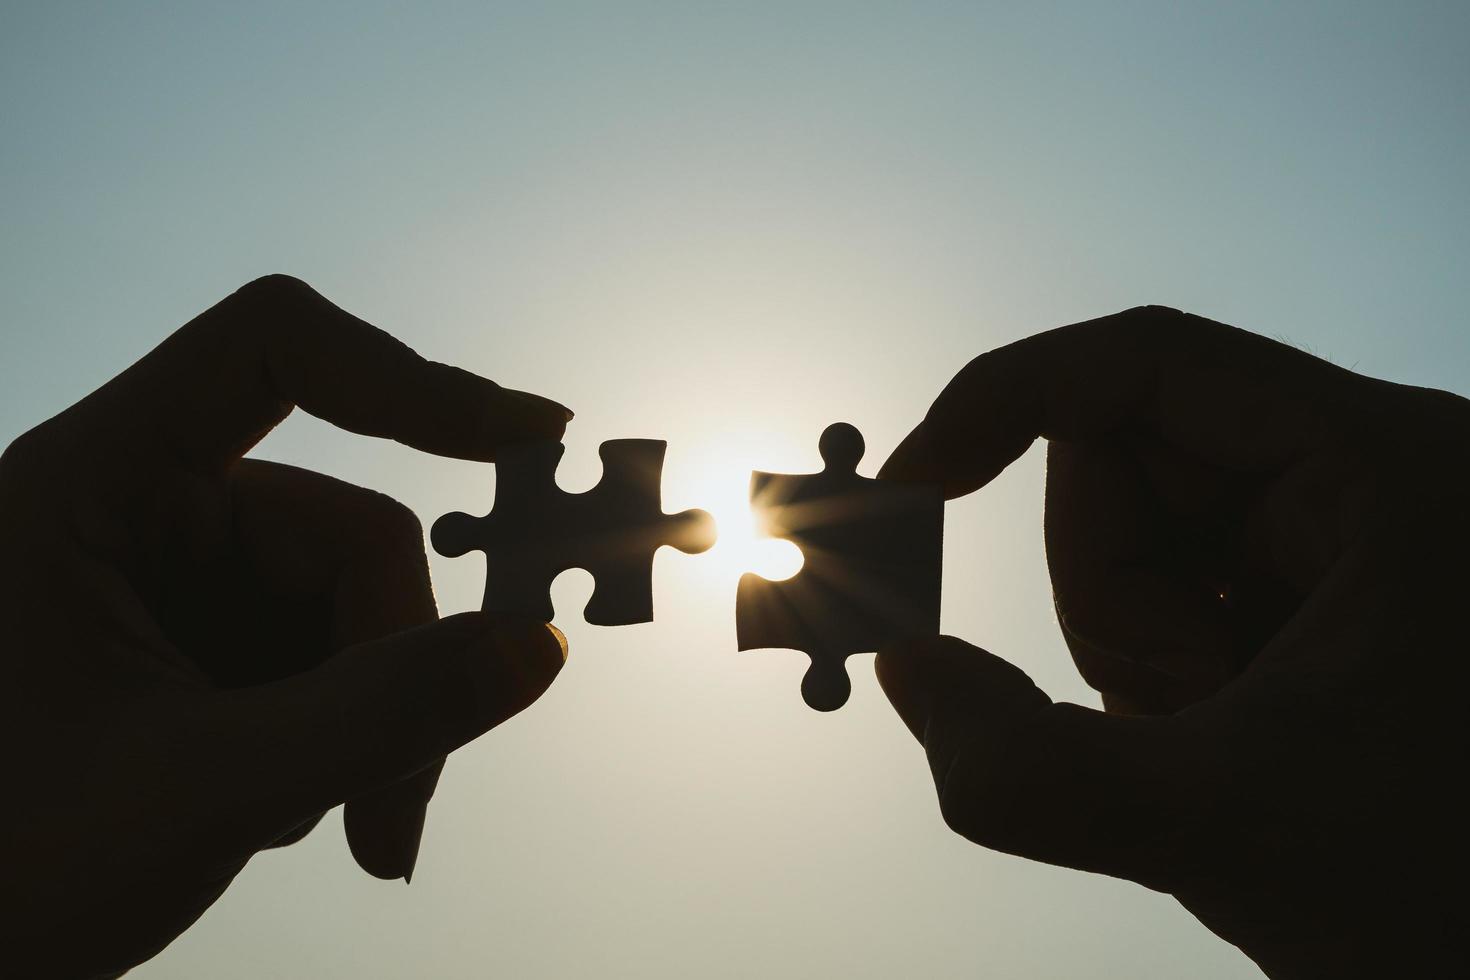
(1231,397)
(226,378)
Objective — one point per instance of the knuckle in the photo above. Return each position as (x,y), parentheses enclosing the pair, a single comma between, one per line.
(1153,313)
(276,285)
(1149,326)
(260,310)
(266,298)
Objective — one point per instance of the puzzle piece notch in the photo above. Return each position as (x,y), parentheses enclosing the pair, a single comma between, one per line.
(535,531)
(871,577)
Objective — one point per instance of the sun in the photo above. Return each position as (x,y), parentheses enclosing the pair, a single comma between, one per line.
(741,548)
(719,482)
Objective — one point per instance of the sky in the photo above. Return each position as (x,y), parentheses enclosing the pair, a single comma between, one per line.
(724,225)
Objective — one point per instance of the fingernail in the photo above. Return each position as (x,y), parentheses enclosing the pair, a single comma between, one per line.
(384,833)
(541,404)
(538,649)
(413,837)
(561,639)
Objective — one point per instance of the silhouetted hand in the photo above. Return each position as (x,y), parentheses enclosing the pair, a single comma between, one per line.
(205,653)
(1260,560)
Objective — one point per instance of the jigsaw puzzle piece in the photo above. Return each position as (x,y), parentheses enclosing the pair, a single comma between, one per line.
(536,530)
(521,557)
(629,526)
(873,560)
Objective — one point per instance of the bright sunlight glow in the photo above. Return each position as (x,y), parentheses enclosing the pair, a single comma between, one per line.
(720,484)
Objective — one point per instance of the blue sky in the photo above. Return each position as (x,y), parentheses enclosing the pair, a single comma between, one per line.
(724,225)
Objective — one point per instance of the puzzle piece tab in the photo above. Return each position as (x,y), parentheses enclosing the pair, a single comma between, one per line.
(536,531)
(871,576)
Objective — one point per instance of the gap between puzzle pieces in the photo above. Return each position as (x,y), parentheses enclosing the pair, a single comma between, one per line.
(535,531)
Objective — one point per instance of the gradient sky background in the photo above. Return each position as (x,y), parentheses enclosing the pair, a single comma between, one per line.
(724,225)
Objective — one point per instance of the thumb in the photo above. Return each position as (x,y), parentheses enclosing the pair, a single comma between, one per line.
(379,712)
(1053,782)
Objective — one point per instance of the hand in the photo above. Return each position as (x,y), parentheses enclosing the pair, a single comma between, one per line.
(204,653)
(1260,561)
